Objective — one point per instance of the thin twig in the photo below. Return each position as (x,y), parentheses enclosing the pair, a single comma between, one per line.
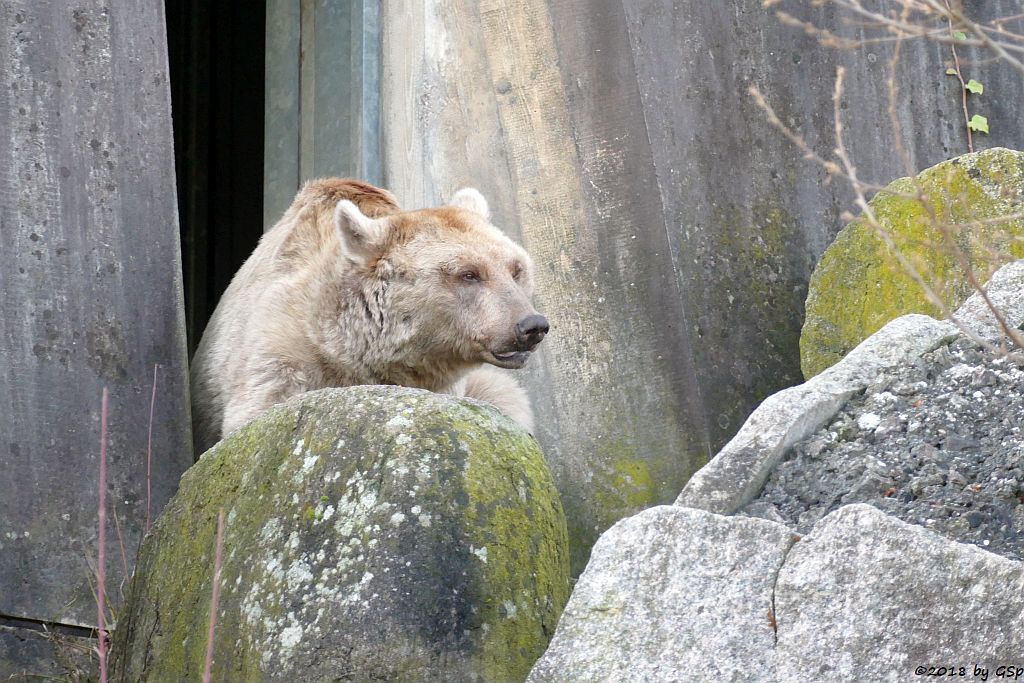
(867,210)
(1001,49)
(965,265)
(912,25)
(831,168)
(101,561)
(902,27)
(215,596)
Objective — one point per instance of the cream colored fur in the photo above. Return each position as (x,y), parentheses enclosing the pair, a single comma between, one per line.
(494,386)
(348,289)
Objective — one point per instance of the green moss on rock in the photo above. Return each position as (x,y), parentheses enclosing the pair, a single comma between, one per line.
(859,284)
(373,533)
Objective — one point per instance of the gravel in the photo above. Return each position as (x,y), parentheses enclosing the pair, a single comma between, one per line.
(939,443)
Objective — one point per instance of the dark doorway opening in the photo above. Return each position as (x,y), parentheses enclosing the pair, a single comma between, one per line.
(216,53)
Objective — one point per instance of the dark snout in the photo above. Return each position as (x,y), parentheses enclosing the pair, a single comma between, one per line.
(530,331)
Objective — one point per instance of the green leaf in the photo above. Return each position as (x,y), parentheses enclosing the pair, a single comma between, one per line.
(951,72)
(975,87)
(959,35)
(978,123)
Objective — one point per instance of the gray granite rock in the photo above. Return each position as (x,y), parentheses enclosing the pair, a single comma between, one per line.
(735,475)
(672,595)
(1006,292)
(936,443)
(866,597)
(678,595)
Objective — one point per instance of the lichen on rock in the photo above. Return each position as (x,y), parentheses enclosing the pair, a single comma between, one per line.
(373,533)
(859,284)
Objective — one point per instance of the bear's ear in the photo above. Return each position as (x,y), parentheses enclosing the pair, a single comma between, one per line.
(471,200)
(362,238)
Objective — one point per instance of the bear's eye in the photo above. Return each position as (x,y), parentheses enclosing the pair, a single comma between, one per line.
(469,276)
(517,270)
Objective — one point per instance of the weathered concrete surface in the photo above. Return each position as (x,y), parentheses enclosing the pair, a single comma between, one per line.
(323,96)
(866,597)
(859,284)
(674,228)
(373,533)
(31,654)
(618,436)
(674,595)
(90,294)
(737,473)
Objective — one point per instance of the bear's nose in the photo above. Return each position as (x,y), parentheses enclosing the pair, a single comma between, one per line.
(531,330)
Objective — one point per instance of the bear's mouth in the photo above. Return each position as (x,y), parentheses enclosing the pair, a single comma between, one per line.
(510,360)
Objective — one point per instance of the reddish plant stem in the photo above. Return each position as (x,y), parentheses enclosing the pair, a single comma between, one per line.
(101,570)
(215,597)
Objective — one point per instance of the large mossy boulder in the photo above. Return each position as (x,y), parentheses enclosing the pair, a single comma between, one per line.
(859,284)
(372,533)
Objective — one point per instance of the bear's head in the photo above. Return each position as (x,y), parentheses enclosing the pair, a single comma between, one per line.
(443,284)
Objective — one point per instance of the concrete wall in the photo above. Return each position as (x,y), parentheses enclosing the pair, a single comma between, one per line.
(323,96)
(90,296)
(673,228)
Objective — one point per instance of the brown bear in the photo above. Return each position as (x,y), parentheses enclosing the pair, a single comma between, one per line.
(349,289)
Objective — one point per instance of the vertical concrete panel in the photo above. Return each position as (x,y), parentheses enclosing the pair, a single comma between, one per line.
(323,95)
(673,228)
(333,61)
(731,189)
(464,103)
(90,296)
(409,81)
(625,435)
(439,109)
(281,130)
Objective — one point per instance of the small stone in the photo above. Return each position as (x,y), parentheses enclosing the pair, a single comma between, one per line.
(954,478)
(868,421)
(905,389)
(974,518)
(956,442)
(814,447)
(764,510)
(809,518)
